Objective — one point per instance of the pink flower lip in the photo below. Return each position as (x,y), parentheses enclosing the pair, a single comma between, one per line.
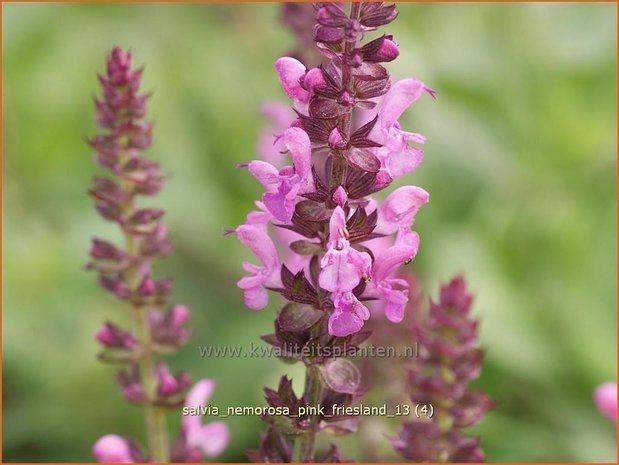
(210,439)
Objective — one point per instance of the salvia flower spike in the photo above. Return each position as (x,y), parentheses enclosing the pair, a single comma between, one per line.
(439,383)
(126,273)
(315,231)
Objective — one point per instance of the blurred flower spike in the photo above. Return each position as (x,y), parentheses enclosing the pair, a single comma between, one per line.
(438,379)
(126,273)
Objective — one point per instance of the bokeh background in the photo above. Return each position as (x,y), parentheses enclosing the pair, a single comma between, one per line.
(520,163)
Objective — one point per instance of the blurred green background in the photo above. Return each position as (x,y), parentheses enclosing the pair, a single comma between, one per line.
(520,163)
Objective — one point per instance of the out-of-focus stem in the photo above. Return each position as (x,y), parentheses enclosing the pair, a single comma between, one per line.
(156,427)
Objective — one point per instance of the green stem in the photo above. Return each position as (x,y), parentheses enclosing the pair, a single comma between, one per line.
(304,446)
(156,427)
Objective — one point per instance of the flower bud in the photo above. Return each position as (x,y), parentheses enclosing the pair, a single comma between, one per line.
(178,315)
(115,285)
(168,384)
(111,335)
(336,139)
(147,287)
(388,51)
(380,50)
(129,381)
(314,79)
(339,196)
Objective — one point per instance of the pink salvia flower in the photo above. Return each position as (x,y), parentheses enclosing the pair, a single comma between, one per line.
(290,72)
(399,208)
(257,240)
(394,291)
(396,156)
(112,448)
(337,164)
(203,440)
(283,185)
(340,248)
(348,316)
(605,396)
(342,266)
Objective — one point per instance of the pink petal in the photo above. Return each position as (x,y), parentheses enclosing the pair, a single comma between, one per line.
(256,298)
(605,396)
(211,439)
(404,161)
(400,207)
(337,223)
(348,316)
(338,274)
(249,282)
(344,323)
(407,237)
(200,393)
(290,72)
(266,173)
(257,218)
(112,449)
(401,95)
(298,142)
(198,396)
(390,260)
(259,242)
(395,304)
(281,203)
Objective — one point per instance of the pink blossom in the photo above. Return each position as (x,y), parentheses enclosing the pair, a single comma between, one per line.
(256,239)
(394,291)
(210,439)
(399,208)
(290,71)
(348,315)
(282,185)
(259,217)
(112,448)
(342,266)
(605,396)
(396,156)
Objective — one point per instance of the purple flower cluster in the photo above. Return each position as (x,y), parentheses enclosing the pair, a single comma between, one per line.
(126,272)
(448,361)
(322,241)
(345,145)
